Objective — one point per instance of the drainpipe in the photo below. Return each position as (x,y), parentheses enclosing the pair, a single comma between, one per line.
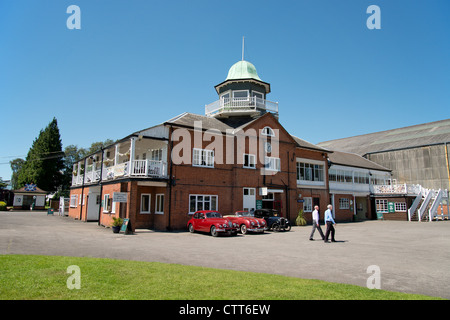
(448,167)
(170,145)
(101,187)
(82,191)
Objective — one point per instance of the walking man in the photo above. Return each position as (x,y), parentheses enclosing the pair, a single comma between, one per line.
(315,224)
(330,224)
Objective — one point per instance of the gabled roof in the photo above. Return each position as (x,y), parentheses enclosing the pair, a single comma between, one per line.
(26,190)
(354,160)
(308,145)
(437,132)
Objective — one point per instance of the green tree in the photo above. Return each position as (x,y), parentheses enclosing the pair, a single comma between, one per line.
(44,164)
(16,166)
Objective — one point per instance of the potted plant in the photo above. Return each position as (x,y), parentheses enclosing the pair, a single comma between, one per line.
(117,224)
(300,221)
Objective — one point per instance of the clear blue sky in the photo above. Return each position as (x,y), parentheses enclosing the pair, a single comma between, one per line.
(135,64)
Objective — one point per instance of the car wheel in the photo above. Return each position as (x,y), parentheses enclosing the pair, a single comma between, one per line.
(214,232)
(287,228)
(275,227)
(243,229)
(191,228)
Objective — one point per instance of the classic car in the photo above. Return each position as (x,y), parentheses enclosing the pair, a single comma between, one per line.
(247,222)
(212,222)
(273,220)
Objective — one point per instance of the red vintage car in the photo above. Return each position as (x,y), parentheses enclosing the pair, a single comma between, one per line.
(247,222)
(212,222)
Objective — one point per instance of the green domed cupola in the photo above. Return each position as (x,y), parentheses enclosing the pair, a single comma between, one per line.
(242,70)
(242,94)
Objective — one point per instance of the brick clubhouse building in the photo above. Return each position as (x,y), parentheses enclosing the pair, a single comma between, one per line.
(235,157)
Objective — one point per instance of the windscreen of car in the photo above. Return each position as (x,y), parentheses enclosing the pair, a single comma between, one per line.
(247,214)
(213,215)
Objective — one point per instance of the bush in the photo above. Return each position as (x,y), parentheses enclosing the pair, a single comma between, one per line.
(2,206)
(117,222)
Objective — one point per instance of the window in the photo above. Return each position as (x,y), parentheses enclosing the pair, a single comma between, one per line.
(249,161)
(361,177)
(343,176)
(258,95)
(106,203)
(145,202)
(249,191)
(157,154)
(381,205)
(272,163)
(307,204)
(267,131)
(400,206)
(73,200)
(159,206)
(225,97)
(199,202)
(310,172)
(240,95)
(203,158)
(344,203)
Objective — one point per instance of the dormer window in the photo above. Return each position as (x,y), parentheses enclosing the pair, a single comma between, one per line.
(267,131)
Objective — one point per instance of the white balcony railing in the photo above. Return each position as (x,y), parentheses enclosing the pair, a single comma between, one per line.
(411,189)
(139,168)
(239,105)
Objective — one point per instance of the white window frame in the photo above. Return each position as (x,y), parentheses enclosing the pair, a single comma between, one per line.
(200,155)
(257,94)
(222,96)
(157,154)
(203,201)
(307,204)
(269,133)
(159,206)
(251,163)
(149,203)
(344,203)
(74,201)
(106,203)
(400,207)
(241,98)
(272,164)
(381,204)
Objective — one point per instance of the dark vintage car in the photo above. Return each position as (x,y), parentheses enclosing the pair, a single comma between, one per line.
(247,222)
(212,222)
(273,220)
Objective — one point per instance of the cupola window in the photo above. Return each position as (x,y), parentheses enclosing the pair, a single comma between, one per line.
(240,95)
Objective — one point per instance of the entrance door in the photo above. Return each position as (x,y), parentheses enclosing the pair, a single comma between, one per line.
(249,199)
(93,205)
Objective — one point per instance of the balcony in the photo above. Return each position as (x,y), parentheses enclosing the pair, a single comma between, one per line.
(401,189)
(240,106)
(135,168)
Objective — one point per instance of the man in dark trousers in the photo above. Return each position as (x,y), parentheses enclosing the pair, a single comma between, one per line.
(330,224)
(315,224)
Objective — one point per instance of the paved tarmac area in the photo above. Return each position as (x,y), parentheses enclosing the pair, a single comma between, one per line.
(413,257)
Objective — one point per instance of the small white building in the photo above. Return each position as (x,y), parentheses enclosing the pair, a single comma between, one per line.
(29,197)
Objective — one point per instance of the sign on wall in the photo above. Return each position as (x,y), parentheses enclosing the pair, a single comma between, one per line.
(120,196)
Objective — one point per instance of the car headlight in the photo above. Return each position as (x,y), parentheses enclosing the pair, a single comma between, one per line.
(253,223)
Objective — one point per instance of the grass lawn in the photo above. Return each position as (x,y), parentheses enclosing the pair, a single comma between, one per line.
(45,277)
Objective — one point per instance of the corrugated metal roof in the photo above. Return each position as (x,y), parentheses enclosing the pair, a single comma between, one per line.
(401,138)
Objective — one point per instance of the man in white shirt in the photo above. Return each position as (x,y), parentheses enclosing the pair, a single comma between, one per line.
(315,224)
(330,224)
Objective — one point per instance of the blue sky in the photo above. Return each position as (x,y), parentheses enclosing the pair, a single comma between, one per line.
(135,64)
